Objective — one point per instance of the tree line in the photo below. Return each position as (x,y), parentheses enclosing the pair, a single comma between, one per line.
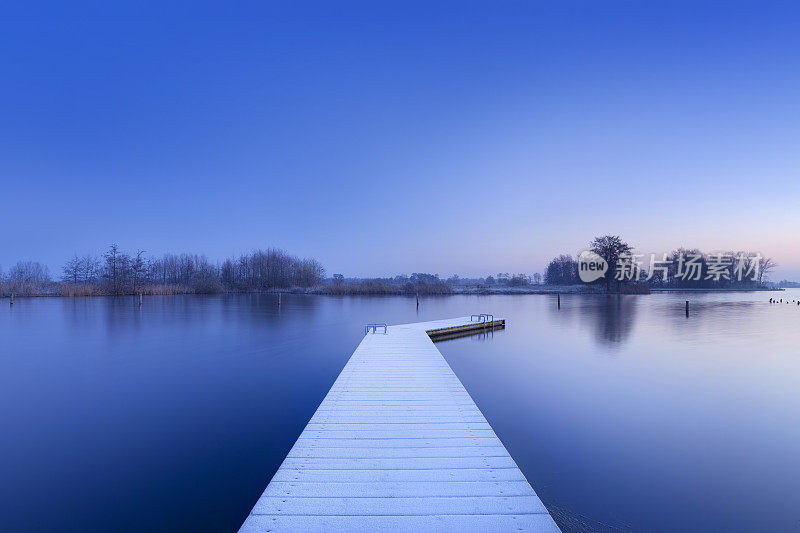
(429,284)
(117,272)
(681,268)
(417,283)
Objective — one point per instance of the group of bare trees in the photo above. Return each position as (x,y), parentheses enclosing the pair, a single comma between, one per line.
(81,270)
(682,268)
(690,268)
(117,272)
(512,280)
(26,278)
(270,269)
(429,284)
(180,272)
(562,270)
(417,283)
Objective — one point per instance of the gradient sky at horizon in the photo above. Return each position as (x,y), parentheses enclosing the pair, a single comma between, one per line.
(386,138)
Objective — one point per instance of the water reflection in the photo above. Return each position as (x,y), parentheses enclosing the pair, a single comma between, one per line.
(614,318)
(172,416)
(611,318)
(699,412)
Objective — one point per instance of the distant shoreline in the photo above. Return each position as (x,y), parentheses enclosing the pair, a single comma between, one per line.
(756,289)
(457,291)
(584,290)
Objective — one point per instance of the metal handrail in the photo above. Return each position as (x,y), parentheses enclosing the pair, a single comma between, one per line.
(472,317)
(374,328)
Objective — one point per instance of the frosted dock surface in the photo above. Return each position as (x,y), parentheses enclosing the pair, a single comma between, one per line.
(398,445)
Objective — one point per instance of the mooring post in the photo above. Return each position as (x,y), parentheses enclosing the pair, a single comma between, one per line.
(12,298)
(559,300)
(687,307)
(140,299)
(417,300)
(279,299)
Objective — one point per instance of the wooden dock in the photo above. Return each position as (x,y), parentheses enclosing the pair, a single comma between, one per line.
(398,445)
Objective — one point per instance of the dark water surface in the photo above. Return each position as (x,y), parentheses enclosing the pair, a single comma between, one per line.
(621,411)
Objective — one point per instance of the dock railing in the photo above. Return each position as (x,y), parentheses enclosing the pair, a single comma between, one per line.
(374,328)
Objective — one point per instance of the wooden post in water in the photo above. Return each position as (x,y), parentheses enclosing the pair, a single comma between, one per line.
(12,299)
(140,299)
(279,299)
(687,307)
(559,300)
(417,300)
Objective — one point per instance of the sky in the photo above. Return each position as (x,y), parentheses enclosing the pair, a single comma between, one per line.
(395,137)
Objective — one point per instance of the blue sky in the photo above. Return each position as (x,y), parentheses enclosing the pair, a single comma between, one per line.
(384,138)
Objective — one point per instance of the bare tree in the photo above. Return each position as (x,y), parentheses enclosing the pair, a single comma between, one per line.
(767,266)
(90,269)
(72,270)
(112,268)
(138,269)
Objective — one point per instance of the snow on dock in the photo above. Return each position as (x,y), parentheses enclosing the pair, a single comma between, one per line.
(398,445)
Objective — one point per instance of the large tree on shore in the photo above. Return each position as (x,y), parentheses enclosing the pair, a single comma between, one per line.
(610,248)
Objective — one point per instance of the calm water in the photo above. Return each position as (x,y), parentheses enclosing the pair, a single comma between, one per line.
(621,411)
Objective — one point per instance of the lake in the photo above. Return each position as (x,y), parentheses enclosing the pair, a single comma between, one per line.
(623,413)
